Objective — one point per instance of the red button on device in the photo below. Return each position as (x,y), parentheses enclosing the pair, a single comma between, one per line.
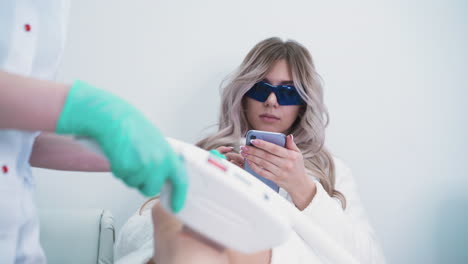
(27,27)
(5,169)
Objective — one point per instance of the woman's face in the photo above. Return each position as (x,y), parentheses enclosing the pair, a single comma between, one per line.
(269,115)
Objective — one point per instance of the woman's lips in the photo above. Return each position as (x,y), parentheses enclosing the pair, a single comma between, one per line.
(268,118)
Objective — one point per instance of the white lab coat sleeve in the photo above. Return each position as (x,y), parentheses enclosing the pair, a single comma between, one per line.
(350,227)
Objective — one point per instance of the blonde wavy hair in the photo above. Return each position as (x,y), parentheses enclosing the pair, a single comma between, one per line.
(308,129)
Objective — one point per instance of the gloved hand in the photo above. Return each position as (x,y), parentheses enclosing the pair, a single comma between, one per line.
(137,152)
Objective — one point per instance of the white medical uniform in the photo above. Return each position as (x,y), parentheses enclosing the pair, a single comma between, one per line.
(32,35)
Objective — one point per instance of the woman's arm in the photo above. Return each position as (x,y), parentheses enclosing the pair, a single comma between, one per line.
(349,227)
(173,245)
(51,151)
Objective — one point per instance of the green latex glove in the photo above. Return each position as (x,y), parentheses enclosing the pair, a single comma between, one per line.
(137,152)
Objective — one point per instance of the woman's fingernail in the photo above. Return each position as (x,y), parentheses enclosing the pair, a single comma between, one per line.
(253,141)
(244,149)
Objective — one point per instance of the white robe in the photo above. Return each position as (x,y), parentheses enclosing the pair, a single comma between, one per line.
(348,227)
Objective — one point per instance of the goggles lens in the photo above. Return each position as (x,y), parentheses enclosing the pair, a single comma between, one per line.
(285,94)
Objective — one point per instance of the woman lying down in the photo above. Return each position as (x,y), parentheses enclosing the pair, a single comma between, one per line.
(275,89)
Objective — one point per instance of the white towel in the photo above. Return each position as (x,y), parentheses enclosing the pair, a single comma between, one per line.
(135,241)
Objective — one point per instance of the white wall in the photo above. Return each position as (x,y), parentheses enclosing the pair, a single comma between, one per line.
(396,88)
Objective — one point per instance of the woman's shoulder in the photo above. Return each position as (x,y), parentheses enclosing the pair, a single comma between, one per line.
(340,164)
(342,171)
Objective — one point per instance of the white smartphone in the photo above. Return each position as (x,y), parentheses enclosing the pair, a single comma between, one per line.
(272,137)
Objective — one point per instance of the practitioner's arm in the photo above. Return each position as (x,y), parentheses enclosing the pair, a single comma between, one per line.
(137,152)
(52,151)
(30,104)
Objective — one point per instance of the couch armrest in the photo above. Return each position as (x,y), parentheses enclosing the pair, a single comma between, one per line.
(107,239)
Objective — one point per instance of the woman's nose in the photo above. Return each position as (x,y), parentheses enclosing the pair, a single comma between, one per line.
(271,100)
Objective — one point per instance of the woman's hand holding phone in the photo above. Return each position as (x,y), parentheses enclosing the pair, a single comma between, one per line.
(231,156)
(284,166)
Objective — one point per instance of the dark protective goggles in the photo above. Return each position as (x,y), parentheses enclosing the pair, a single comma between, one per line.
(285,94)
